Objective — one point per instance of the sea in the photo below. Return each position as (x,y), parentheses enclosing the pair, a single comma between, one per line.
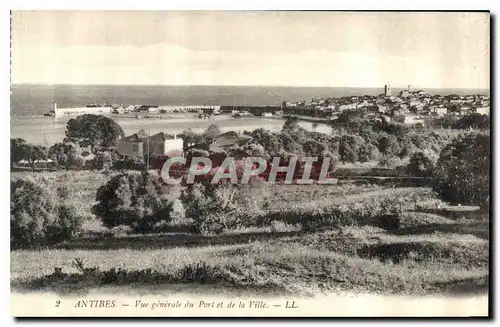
(30,101)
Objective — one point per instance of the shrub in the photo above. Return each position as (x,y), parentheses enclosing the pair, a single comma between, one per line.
(17,148)
(270,141)
(389,145)
(212,133)
(389,161)
(420,165)
(349,147)
(67,225)
(217,208)
(463,170)
(103,160)
(65,155)
(178,211)
(35,217)
(33,154)
(368,152)
(140,200)
(129,163)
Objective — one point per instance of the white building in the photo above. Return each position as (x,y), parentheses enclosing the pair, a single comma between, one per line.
(483,110)
(163,144)
(440,111)
(159,144)
(349,106)
(65,112)
(193,108)
(413,120)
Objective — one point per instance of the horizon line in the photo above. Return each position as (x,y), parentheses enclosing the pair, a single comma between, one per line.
(255,85)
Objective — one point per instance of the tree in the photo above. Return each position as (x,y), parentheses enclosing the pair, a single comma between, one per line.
(140,200)
(290,142)
(189,137)
(17,149)
(270,141)
(389,145)
(256,150)
(34,153)
(349,147)
(407,147)
(94,130)
(473,121)
(103,160)
(348,116)
(65,155)
(36,217)
(212,133)
(314,148)
(463,170)
(292,136)
(420,165)
(129,163)
(368,152)
(291,124)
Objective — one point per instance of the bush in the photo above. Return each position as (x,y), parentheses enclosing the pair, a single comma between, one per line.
(221,207)
(66,155)
(129,163)
(368,152)
(139,200)
(389,161)
(17,149)
(35,217)
(103,160)
(389,145)
(463,170)
(420,165)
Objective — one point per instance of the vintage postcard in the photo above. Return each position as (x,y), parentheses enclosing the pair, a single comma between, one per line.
(250,164)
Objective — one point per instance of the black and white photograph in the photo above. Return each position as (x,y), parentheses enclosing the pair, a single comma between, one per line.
(197,163)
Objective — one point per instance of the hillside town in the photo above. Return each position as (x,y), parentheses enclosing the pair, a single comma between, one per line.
(408,106)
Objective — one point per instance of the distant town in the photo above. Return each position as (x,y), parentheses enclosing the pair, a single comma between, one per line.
(408,107)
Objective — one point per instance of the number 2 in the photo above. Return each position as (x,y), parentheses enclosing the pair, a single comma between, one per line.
(58,302)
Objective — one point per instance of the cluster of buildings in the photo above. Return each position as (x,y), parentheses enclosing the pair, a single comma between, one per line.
(408,106)
(140,144)
(167,109)
(162,144)
(107,109)
(201,110)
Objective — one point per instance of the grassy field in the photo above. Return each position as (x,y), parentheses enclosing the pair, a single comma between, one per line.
(434,249)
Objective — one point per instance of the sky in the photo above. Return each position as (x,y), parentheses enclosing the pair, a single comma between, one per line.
(287,48)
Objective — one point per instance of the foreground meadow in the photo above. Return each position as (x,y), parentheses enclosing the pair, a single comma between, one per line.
(433,248)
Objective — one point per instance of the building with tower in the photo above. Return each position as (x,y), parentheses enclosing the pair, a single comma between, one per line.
(388,89)
(405,93)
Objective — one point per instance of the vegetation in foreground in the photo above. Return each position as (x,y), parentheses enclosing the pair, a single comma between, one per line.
(432,249)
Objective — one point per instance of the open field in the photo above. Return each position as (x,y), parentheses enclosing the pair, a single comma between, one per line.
(433,249)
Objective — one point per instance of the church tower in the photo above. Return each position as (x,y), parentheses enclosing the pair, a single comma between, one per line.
(388,89)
